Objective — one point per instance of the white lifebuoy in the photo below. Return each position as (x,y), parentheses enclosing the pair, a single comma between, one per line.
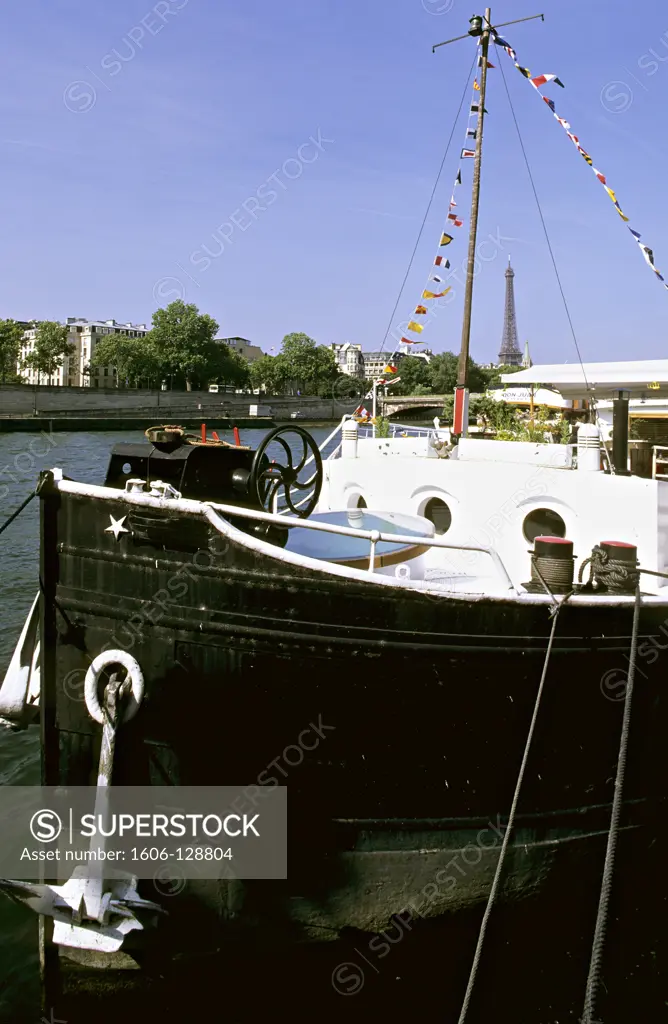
(133,669)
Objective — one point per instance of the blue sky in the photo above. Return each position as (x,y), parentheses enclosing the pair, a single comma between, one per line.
(133,134)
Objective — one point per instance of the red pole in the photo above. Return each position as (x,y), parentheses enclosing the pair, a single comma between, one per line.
(204,433)
(237,439)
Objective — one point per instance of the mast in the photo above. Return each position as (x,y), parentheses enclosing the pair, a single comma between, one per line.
(479,27)
(461,392)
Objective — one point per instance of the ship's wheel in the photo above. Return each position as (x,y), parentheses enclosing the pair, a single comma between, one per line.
(268,477)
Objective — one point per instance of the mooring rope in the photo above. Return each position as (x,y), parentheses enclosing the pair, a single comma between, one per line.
(594,977)
(511,818)
(18,512)
(616,575)
(557,572)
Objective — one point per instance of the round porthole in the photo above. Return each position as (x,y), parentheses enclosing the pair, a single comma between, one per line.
(361,503)
(543,522)
(127,468)
(438,513)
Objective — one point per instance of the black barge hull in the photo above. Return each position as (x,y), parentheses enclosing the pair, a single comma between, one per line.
(397,720)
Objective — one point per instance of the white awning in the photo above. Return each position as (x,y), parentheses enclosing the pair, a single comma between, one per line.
(642,377)
(523,396)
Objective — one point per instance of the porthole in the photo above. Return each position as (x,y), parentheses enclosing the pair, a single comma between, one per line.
(543,522)
(127,468)
(438,512)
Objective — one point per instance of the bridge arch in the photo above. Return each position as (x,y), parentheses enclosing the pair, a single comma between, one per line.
(403,405)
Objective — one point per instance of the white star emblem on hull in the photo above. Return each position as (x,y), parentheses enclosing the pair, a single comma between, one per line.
(116,527)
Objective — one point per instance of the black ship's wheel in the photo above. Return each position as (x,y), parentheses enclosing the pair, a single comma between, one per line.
(266,478)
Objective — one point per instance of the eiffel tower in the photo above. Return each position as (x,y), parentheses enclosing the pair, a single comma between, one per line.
(510,354)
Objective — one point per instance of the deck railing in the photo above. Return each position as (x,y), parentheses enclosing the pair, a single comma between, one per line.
(211,511)
(373,536)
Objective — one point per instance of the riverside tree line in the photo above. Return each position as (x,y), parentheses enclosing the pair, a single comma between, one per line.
(182,349)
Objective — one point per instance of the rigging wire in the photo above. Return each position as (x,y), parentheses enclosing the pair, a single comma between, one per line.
(594,980)
(542,219)
(496,883)
(431,200)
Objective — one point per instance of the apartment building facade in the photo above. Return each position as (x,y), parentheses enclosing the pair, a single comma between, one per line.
(349,358)
(246,350)
(83,335)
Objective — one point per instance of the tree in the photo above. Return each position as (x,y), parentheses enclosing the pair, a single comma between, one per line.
(414,373)
(51,347)
(444,368)
(11,336)
(492,374)
(225,366)
(310,367)
(267,374)
(448,411)
(183,336)
(134,359)
(443,373)
(498,415)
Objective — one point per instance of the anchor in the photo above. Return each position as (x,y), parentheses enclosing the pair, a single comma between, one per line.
(96,907)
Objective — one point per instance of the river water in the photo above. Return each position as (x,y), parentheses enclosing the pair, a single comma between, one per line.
(84,457)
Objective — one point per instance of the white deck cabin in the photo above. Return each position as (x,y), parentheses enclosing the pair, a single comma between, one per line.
(502,494)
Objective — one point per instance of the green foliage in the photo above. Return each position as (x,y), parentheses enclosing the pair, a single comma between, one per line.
(415,373)
(225,366)
(490,413)
(535,434)
(181,347)
(302,365)
(266,373)
(51,347)
(382,426)
(448,413)
(443,373)
(564,430)
(135,359)
(443,370)
(11,335)
(184,338)
(346,387)
(310,368)
(492,374)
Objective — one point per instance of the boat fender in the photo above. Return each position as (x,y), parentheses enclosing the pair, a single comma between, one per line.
(20,690)
(135,674)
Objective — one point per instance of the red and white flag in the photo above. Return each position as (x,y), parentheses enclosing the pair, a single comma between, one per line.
(543,79)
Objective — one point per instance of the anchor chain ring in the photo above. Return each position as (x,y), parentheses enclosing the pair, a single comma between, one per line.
(134,672)
(267,478)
